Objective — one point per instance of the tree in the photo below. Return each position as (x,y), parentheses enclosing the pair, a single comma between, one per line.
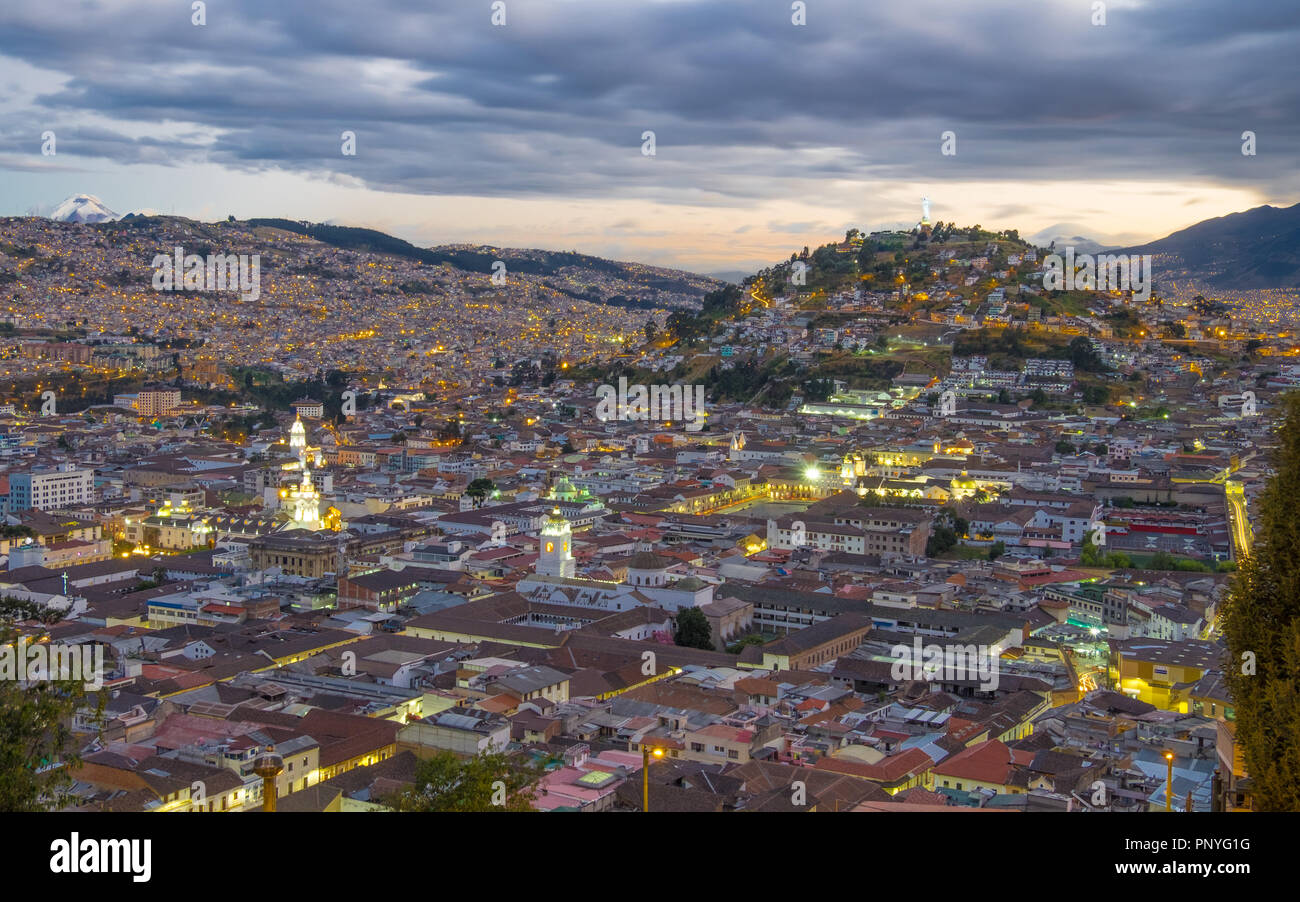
(816,390)
(683,325)
(1162,560)
(948,529)
(36,734)
(1119,560)
(1261,622)
(1084,356)
(450,430)
(651,330)
(1088,556)
(693,629)
(1096,394)
(36,740)
(479,489)
(736,648)
(490,781)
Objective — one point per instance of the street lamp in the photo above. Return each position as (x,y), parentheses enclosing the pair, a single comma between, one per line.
(1169,781)
(646,752)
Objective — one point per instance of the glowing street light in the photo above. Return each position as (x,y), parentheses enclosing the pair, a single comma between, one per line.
(646,752)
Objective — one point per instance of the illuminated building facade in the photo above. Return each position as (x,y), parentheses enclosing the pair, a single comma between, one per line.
(173,527)
(304,503)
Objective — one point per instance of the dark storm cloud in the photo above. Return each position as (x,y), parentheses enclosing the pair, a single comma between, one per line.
(741,101)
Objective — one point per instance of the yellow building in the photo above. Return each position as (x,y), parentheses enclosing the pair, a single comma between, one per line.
(1161,672)
(718,744)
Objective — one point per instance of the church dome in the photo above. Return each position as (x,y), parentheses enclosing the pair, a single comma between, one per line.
(648,560)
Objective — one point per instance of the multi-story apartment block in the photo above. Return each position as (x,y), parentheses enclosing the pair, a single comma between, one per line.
(51,488)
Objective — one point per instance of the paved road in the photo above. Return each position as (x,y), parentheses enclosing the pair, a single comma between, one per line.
(1238,519)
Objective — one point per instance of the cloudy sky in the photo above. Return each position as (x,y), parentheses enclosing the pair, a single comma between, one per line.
(768,135)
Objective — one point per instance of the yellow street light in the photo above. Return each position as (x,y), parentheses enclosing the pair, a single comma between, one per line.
(646,752)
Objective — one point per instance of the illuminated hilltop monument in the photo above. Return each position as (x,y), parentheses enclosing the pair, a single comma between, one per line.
(924,224)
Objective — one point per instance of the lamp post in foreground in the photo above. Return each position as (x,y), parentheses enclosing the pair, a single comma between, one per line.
(646,752)
(1169,781)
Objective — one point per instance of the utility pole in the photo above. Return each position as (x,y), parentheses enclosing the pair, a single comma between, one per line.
(1169,782)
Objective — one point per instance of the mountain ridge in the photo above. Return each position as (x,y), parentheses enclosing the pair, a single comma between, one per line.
(1257,248)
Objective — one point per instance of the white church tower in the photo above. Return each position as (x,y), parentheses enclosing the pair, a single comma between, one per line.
(304,503)
(737,445)
(298,438)
(556,557)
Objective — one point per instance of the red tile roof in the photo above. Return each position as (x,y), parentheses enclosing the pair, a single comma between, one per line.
(987,762)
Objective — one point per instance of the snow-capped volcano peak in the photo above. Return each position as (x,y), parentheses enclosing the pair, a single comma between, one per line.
(83,208)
